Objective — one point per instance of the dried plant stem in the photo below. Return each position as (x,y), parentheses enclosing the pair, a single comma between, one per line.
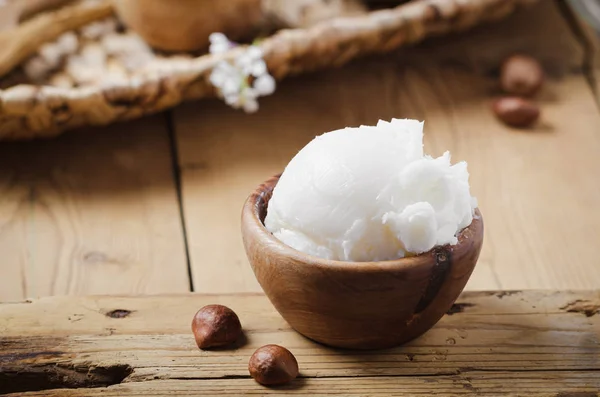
(31,8)
(20,43)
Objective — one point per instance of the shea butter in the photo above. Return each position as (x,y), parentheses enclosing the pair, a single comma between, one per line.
(370,194)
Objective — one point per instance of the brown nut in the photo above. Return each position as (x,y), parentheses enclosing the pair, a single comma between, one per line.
(216,326)
(273,365)
(516,112)
(521,75)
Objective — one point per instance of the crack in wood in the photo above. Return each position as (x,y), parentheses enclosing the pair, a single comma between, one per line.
(586,307)
(502,294)
(460,372)
(577,394)
(424,375)
(522,370)
(443,263)
(40,377)
(118,313)
(26,369)
(206,377)
(459,308)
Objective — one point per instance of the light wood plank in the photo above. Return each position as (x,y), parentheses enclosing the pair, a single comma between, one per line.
(93,212)
(501,343)
(529,184)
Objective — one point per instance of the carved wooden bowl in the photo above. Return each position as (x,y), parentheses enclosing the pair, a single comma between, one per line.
(358,305)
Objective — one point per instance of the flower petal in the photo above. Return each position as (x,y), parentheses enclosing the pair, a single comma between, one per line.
(250,92)
(232,100)
(230,86)
(217,78)
(265,85)
(254,52)
(259,68)
(250,105)
(218,37)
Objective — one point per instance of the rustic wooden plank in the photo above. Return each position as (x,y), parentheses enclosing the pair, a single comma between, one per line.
(502,343)
(449,83)
(93,212)
(536,384)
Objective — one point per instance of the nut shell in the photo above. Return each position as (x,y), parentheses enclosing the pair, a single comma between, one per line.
(273,365)
(516,112)
(216,326)
(521,75)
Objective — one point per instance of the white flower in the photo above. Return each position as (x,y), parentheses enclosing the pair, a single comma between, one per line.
(264,85)
(219,75)
(250,105)
(245,99)
(250,93)
(251,62)
(240,83)
(232,100)
(259,68)
(219,43)
(231,86)
(254,52)
(225,77)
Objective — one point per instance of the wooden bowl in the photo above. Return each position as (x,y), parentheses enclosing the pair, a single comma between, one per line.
(358,305)
(184,25)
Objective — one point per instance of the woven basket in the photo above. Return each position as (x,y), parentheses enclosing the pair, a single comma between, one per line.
(30,110)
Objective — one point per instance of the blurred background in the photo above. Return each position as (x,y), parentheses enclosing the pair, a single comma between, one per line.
(589,11)
(125,161)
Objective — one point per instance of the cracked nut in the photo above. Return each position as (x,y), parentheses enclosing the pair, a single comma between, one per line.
(216,326)
(516,112)
(273,365)
(521,75)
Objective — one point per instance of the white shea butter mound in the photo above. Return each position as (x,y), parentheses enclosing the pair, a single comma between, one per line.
(370,194)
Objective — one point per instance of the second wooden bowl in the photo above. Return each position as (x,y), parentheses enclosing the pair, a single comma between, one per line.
(184,25)
(358,305)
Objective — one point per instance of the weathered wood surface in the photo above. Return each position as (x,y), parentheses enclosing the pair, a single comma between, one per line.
(91,213)
(492,343)
(530,185)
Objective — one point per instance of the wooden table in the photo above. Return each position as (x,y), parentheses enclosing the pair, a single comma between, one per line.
(491,343)
(152,207)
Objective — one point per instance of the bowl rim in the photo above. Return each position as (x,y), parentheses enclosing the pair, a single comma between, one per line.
(250,213)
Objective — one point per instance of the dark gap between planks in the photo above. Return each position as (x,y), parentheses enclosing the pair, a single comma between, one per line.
(170,124)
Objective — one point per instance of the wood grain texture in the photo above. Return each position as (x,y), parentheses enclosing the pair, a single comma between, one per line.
(94,212)
(491,343)
(530,184)
(535,384)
